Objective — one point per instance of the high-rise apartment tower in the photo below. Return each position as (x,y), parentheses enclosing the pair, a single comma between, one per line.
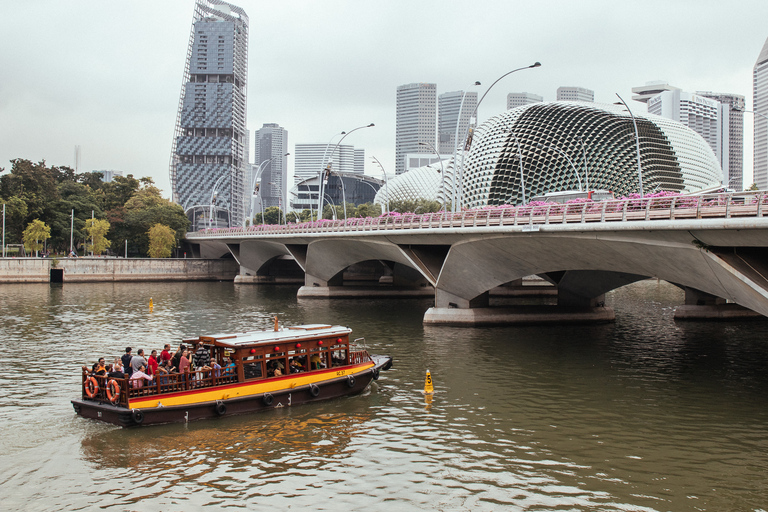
(208,161)
(734,105)
(760,106)
(518,99)
(415,122)
(575,94)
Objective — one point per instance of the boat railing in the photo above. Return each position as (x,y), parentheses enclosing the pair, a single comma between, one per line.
(358,356)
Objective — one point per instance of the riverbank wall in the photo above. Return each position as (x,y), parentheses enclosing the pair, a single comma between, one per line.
(89,270)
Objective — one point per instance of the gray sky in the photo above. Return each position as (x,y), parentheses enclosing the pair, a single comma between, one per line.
(106,75)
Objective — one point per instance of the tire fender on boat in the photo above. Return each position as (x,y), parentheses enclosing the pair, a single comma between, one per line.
(375,374)
(314,390)
(113,391)
(351,381)
(221,408)
(267,399)
(138,416)
(91,387)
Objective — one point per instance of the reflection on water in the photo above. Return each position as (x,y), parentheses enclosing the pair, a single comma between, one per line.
(643,414)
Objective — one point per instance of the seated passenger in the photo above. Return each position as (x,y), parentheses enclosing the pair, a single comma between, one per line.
(99,368)
(116,371)
(138,377)
(163,370)
(216,367)
(229,368)
(315,362)
(296,365)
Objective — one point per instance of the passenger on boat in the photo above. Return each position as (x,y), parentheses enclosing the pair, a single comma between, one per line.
(126,360)
(176,359)
(184,364)
(229,368)
(99,368)
(163,370)
(296,365)
(138,361)
(202,361)
(275,368)
(152,363)
(138,377)
(165,355)
(315,362)
(116,371)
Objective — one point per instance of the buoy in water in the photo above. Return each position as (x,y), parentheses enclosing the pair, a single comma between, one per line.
(151,304)
(428,388)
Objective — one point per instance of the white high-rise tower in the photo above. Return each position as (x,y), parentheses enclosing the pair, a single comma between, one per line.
(760,105)
(416,119)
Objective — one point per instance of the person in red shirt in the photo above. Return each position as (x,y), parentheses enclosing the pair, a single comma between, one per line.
(152,363)
(165,355)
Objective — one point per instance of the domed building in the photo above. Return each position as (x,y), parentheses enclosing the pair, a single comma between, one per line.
(573,145)
(428,182)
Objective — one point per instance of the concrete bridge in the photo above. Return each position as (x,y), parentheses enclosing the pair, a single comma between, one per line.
(715,247)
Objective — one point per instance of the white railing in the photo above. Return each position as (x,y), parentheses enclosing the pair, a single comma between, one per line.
(723,206)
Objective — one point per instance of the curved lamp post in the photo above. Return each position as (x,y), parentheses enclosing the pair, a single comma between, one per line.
(386,183)
(320,175)
(213,196)
(520,158)
(253,185)
(442,169)
(569,161)
(637,143)
(471,127)
(330,164)
(455,148)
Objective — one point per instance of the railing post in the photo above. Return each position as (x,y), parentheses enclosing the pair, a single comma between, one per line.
(624,211)
(672,208)
(583,211)
(760,204)
(602,211)
(648,202)
(728,200)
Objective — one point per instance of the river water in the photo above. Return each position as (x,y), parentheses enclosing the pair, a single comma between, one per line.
(645,414)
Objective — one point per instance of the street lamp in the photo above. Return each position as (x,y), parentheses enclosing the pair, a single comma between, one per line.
(637,143)
(320,174)
(213,195)
(569,161)
(386,183)
(455,148)
(471,127)
(442,169)
(520,158)
(330,164)
(253,185)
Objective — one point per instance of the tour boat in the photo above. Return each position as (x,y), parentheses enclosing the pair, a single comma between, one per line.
(273,368)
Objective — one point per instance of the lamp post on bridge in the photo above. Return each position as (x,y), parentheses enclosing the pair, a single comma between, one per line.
(330,164)
(637,143)
(213,197)
(442,169)
(253,185)
(386,183)
(581,189)
(471,128)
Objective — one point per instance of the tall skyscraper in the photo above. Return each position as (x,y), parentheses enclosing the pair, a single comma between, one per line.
(271,145)
(416,117)
(760,105)
(645,92)
(449,106)
(734,104)
(518,99)
(208,160)
(709,118)
(575,94)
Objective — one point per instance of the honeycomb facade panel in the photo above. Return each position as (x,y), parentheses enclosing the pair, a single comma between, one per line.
(572,145)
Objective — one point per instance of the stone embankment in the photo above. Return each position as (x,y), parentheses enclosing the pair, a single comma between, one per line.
(86,269)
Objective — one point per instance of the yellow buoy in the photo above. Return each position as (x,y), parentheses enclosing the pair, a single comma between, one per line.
(428,388)
(151,304)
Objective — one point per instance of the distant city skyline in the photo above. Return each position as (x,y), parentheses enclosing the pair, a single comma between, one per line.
(82,79)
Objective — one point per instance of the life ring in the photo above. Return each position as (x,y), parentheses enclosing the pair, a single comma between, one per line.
(221,408)
(138,416)
(91,387)
(314,390)
(351,381)
(375,374)
(267,399)
(113,391)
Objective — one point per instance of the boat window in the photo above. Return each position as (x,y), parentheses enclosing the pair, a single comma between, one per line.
(318,358)
(275,364)
(253,367)
(338,355)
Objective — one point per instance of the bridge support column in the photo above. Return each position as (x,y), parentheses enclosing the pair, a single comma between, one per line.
(704,306)
(453,310)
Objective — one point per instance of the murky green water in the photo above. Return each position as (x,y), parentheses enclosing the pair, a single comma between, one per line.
(643,414)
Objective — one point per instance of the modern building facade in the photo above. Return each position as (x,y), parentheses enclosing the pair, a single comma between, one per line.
(734,104)
(309,159)
(707,117)
(643,93)
(599,142)
(354,188)
(518,99)
(270,149)
(575,94)
(760,107)
(454,110)
(208,159)
(415,121)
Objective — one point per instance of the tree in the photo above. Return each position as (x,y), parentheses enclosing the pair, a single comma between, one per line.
(36,231)
(753,187)
(420,205)
(272,215)
(144,209)
(368,210)
(15,213)
(97,231)
(162,240)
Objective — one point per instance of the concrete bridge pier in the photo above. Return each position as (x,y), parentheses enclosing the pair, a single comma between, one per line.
(395,281)
(701,305)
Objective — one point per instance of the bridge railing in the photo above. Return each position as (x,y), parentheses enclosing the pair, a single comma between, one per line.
(671,207)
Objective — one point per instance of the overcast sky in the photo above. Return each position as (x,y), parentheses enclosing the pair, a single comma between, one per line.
(106,75)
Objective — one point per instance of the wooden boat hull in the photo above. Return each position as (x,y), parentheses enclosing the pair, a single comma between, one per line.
(286,397)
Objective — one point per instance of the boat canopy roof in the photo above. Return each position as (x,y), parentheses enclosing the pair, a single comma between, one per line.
(285,334)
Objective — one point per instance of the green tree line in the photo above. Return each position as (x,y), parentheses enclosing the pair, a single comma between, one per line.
(49,194)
